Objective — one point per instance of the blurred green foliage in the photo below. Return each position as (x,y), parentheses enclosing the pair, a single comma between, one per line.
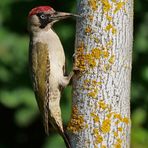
(20,123)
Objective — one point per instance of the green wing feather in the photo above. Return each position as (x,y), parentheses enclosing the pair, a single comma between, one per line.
(40,73)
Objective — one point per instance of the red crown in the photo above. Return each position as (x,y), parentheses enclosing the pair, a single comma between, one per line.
(40,9)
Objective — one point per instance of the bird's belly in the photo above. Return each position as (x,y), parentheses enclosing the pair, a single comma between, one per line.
(56,73)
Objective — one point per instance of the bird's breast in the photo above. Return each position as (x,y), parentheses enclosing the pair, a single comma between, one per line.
(55,53)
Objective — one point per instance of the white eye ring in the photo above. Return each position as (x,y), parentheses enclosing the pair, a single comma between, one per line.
(43,16)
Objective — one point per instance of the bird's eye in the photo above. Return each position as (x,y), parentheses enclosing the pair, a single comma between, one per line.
(43,16)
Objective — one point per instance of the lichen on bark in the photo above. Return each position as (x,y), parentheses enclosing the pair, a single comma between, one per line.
(101,84)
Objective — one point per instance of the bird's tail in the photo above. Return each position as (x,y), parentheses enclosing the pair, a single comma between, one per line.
(57,124)
(66,140)
(61,132)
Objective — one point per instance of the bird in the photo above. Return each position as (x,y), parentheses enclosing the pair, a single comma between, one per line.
(47,65)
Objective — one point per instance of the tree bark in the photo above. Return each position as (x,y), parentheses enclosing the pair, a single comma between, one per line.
(101,84)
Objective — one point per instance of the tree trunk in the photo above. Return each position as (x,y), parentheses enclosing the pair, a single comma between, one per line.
(101,85)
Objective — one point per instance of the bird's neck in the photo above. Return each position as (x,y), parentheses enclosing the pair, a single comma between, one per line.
(44,36)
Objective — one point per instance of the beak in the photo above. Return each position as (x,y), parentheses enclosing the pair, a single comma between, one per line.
(62,15)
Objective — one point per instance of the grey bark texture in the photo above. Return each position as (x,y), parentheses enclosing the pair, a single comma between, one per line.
(101,84)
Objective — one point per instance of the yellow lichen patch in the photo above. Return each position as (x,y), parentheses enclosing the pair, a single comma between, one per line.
(87,87)
(106,67)
(105,53)
(125,120)
(109,115)
(77,121)
(103,146)
(93,4)
(98,139)
(119,6)
(88,29)
(99,83)
(102,105)
(90,17)
(81,47)
(118,143)
(111,27)
(117,122)
(95,131)
(95,83)
(90,85)
(80,63)
(109,43)
(108,27)
(96,53)
(119,140)
(118,116)
(90,60)
(106,125)
(115,134)
(96,40)
(95,117)
(86,125)
(120,129)
(93,93)
(109,18)
(114,30)
(112,59)
(86,83)
(106,5)
(80,58)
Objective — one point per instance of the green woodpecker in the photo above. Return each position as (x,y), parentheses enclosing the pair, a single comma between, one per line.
(47,62)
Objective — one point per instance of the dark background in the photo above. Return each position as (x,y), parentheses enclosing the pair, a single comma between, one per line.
(20,123)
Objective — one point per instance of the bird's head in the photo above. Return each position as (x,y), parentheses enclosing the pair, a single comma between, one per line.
(45,16)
